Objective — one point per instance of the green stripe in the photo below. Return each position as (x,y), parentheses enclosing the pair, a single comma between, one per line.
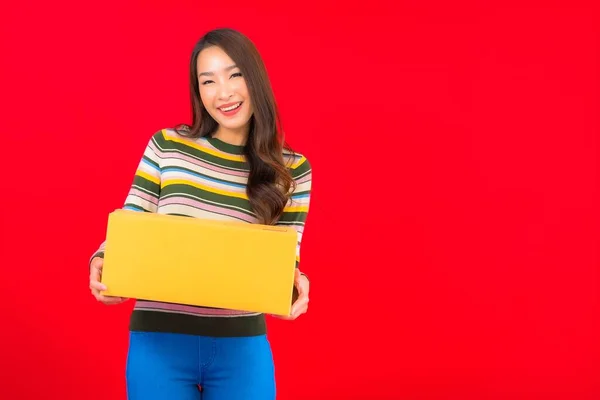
(296,217)
(146,185)
(166,145)
(220,199)
(157,321)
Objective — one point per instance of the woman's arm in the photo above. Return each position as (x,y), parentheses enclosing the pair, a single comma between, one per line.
(296,211)
(144,192)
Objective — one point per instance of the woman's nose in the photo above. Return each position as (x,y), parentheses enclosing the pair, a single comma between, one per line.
(225,92)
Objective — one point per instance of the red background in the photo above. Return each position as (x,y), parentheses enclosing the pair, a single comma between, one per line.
(452,242)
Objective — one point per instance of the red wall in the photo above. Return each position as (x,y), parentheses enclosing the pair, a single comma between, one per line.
(453,237)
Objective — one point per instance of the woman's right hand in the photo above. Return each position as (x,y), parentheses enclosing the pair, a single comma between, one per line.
(96,287)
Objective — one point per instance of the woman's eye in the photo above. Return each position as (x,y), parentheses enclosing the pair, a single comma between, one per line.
(206,82)
(236,74)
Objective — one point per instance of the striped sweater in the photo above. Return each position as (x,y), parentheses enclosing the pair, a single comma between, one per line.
(204,178)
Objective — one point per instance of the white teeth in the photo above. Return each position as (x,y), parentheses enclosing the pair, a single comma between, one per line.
(233,107)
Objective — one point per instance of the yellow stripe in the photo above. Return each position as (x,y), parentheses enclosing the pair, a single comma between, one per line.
(219,154)
(147,176)
(296,209)
(298,163)
(204,187)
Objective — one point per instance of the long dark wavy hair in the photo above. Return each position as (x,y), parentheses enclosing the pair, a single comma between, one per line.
(269,182)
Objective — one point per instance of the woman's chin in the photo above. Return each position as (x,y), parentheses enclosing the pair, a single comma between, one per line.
(234,126)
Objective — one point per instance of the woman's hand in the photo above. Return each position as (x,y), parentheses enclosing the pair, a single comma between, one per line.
(300,306)
(96,287)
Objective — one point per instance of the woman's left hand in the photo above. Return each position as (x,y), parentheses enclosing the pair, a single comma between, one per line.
(300,306)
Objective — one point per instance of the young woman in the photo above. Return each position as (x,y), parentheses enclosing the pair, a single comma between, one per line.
(231,163)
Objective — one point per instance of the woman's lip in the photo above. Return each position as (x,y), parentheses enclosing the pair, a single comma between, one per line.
(232,112)
(229,104)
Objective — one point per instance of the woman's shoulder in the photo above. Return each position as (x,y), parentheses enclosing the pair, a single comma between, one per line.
(296,162)
(166,133)
(170,136)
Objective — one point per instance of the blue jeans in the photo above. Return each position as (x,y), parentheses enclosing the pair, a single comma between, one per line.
(163,366)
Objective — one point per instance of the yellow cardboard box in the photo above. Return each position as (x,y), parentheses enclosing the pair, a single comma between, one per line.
(199,262)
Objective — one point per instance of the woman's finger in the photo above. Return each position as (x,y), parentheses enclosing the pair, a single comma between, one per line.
(96,271)
(95,285)
(300,306)
(108,300)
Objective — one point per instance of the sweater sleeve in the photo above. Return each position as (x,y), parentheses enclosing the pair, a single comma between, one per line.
(144,192)
(296,211)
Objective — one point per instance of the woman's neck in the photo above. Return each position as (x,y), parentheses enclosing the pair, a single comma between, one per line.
(234,137)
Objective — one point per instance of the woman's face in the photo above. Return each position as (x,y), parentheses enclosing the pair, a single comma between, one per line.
(223,89)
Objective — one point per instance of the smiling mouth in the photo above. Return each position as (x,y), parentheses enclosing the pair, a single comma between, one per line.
(232,107)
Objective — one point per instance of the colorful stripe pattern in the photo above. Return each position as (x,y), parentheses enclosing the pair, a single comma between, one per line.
(204,178)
